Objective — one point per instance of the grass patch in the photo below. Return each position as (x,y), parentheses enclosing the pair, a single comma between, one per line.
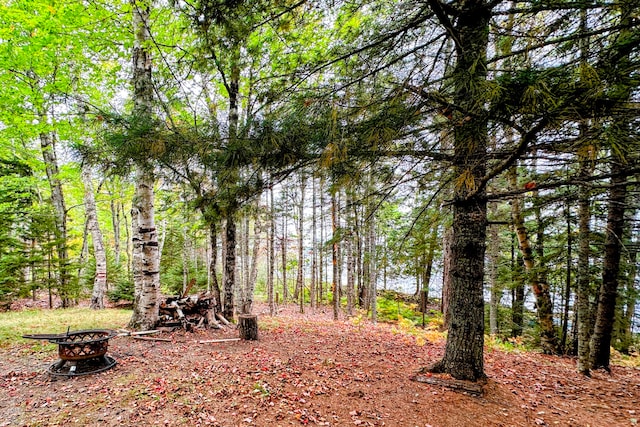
(14,324)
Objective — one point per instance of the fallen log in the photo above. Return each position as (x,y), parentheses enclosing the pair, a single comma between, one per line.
(152,339)
(124,333)
(218,340)
(222,319)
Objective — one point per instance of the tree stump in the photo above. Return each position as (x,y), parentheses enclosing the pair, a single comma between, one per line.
(248,326)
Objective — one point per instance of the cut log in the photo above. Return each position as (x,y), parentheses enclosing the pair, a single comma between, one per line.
(248,326)
(222,319)
(211,320)
(470,387)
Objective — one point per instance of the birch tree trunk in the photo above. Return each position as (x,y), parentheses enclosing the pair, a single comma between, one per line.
(47,145)
(549,339)
(213,267)
(146,256)
(100,280)
(247,303)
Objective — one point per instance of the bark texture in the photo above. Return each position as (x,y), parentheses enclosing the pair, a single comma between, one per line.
(146,254)
(463,357)
(601,338)
(544,308)
(100,279)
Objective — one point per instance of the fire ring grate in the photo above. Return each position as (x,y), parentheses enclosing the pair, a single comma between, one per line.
(81,367)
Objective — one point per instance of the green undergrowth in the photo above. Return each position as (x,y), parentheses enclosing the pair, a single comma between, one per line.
(14,324)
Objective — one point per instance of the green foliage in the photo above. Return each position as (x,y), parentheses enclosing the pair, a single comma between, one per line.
(391,309)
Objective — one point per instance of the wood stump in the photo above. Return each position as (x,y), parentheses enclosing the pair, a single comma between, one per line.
(248,326)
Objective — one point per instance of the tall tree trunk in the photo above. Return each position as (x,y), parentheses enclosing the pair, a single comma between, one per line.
(247,302)
(494,287)
(583,280)
(603,328)
(548,336)
(115,224)
(567,285)
(314,245)
(620,133)
(350,249)
(321,257)
(335,287)
(146,268)
(47,145)
(271,254)
(373,268)
(463,357)
(100,280)
(299,292)
(283,254)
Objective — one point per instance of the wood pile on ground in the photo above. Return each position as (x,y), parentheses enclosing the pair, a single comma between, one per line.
(189,312)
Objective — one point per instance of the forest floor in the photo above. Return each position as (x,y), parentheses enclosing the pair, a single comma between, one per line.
(306,369)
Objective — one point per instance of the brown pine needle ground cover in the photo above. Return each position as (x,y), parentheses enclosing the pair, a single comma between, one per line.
(306,370)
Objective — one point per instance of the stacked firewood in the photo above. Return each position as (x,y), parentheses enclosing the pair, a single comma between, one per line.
(189,312)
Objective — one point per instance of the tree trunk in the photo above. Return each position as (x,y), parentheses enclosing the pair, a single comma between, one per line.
(601,338)
(620,151)
(549,340)
(215,286)
(146,268)
(373,272)
(247,303)
(321,257)
(271,255)
(463,357)
(47,145)
(567,284)
(583,280)
(100,280)
(146,274)
(446,278)
(314,246)
(299,292)
(229,267)
(334,256)
(283,254)
(494,287)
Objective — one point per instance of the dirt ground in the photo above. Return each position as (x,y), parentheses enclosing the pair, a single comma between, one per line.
(306,370)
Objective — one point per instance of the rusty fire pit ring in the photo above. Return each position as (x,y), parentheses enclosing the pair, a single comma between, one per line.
(81,352)
(83,345)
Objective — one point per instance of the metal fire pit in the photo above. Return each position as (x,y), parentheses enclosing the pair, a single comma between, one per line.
(81,352)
